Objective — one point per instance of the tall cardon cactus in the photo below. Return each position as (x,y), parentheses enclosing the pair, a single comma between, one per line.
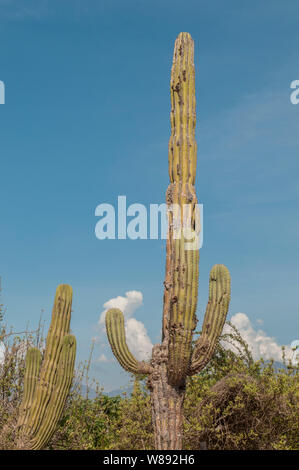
(47,381)
(174,359)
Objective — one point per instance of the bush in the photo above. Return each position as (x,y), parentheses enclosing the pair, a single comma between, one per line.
(237,403)
(12,367)
(133,428)
(234,403)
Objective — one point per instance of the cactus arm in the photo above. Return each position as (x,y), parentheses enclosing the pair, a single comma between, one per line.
(65,372)
(216,311)
(181,279)
(116,335)
(32,367)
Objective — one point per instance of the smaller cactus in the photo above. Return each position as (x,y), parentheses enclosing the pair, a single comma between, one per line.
(47,383)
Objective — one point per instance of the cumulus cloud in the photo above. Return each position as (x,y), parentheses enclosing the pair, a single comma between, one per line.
(127,304)
(260,344)
(138,340)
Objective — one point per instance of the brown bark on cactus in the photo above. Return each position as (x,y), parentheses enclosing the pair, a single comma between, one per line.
(166,402)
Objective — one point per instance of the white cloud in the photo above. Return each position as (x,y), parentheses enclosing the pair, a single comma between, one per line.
(2,352)
(138,340)
(260,344)
(103,358)
(127,304)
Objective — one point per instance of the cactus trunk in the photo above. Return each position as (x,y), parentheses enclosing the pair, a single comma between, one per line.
(167,415)
(166,403)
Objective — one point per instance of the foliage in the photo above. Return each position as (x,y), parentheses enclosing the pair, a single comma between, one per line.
(234,403)
(12,368)
(239,403)
(133,428)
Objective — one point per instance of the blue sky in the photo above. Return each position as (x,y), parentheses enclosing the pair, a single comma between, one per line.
(86,119)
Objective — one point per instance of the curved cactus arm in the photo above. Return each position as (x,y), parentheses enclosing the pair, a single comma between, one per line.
(216,311)
(181,280)
(59,395)
(116,335)
(59,328)
(32,368)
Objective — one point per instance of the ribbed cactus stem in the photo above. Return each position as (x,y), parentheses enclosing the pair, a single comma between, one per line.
(181,279)
(216,311)
(45,396)
(115,328)
(182,144)
(65,371)
(32,368)
(60,325)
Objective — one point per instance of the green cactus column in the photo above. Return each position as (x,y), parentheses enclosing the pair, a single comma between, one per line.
(47,383)
(181,284)
(173,360)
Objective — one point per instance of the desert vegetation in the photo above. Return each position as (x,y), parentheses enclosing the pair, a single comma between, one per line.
(234,403)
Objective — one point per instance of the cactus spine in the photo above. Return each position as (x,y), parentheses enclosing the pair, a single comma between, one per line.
(173,360)
(47,383)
